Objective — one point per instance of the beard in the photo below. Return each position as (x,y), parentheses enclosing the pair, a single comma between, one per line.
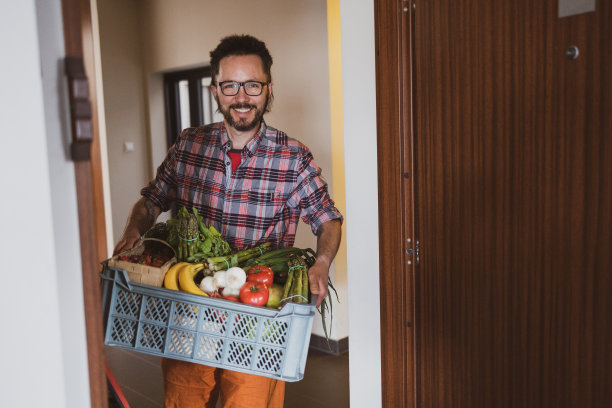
(243,124)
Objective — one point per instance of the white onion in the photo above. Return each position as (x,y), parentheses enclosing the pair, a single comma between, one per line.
(230,292)
(208,284)
(235,277)
(220,279)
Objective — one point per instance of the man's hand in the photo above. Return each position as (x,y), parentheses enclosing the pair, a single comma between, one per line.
(318,277)
(143,216)
(127,240)
(328,241)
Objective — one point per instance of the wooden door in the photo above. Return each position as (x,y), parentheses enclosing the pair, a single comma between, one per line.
(513,203)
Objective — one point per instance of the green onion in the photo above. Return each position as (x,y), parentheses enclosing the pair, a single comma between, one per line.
(221,263)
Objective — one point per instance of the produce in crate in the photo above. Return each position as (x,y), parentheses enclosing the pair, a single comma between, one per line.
(278,261)
(275,295)
(296,286)
(183,233)
(281,261)
(221,263)
(148,257)
(290,265)
(171,277)
(260,273)
(181,277)
(147,261)
(254,293)
(186,279)
(224,283)
(195,247)
(159,231)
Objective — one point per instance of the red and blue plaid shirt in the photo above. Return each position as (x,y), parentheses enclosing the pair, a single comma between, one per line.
(276,182)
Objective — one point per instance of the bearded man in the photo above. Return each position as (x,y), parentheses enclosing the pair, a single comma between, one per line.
(253,183)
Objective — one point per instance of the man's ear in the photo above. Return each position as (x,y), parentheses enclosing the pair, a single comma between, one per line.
(270,88)
(213,89)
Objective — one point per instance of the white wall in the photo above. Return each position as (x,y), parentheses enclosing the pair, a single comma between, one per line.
(358,75)
(42,346)
(123,87)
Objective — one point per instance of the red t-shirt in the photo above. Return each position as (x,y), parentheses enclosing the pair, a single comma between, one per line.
(235,156)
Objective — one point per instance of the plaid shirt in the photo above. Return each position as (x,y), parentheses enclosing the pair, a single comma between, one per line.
(276,182)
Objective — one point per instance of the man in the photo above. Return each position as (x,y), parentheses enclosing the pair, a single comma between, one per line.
(252,183)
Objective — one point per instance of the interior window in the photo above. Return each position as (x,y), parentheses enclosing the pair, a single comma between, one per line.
(189,101)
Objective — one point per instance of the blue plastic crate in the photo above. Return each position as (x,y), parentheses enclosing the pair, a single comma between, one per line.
(215,332)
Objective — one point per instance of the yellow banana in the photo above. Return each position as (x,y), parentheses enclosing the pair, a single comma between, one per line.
(171,277)
(186,282)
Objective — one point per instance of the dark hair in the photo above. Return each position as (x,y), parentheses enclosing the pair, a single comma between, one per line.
(240,45)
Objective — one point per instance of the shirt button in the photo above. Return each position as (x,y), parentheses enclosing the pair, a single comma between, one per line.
(227,163)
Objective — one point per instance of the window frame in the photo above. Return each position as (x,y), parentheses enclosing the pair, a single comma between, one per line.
(172,104)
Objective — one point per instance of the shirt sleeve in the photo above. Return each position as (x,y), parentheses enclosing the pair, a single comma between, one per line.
(312,196)
(162,189)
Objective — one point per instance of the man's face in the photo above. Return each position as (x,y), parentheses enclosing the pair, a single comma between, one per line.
(241,111)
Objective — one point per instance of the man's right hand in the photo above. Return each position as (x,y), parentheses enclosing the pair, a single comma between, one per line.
(127,241)
(141,218)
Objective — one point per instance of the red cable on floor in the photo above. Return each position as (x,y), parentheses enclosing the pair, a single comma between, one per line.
(116,388)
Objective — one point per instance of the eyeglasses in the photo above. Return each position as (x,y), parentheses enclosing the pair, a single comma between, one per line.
(251,88)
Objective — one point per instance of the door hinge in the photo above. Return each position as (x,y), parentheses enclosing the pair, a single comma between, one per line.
(413,251)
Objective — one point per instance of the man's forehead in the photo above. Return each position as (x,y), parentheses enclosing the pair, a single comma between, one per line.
(250,62)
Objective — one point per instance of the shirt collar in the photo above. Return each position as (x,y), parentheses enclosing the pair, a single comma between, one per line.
(251,146)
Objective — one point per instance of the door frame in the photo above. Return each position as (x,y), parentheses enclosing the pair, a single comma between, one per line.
(78,41)
(393,21)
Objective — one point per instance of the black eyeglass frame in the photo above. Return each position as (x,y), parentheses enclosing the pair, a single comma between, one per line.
(243,85)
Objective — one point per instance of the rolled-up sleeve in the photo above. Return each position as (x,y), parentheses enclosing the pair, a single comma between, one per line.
(312,195)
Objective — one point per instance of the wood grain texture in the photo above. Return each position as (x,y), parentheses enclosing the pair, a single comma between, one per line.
(393,84)
(513,202)
(92,231)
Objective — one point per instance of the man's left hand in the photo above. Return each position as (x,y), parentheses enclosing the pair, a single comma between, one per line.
(318,277)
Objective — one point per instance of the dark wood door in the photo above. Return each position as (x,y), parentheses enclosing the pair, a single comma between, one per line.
(513,203)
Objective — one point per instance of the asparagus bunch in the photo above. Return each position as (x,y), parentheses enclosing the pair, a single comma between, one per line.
(193,240)
(220,263)
(296,286)
(188,234)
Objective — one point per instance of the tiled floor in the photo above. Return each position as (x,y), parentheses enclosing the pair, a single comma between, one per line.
(325,383)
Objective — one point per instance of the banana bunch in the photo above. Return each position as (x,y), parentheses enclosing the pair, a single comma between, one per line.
(181,277)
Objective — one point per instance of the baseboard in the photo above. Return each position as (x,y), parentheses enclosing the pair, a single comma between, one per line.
(335,347)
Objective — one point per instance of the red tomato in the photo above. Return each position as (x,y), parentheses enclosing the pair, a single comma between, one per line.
(254,293)
(260,273)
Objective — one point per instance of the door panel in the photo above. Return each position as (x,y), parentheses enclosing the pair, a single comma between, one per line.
(513,144)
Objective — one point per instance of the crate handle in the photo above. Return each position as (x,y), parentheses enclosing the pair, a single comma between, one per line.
(119,276)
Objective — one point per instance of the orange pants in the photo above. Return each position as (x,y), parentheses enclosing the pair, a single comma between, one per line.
(188,385)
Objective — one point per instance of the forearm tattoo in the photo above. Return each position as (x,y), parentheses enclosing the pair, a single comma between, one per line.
(152,211)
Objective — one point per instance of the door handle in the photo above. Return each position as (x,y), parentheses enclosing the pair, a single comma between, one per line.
(80,109)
